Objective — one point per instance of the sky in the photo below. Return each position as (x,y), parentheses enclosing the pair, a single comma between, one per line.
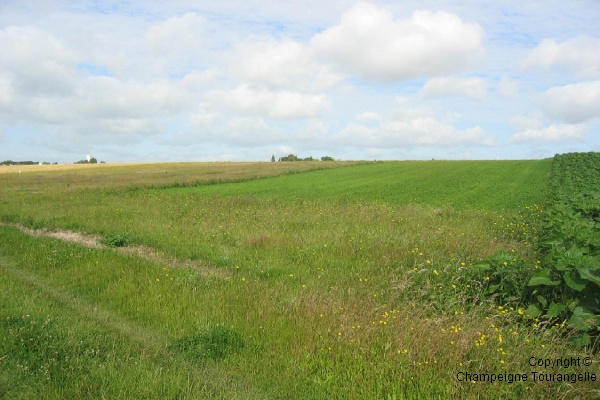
(233,80)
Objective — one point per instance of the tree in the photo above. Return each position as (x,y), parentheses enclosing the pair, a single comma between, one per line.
(273,158)
(289,157)
(327,158)
(93,160)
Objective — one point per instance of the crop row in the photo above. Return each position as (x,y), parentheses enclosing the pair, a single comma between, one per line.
(567,286)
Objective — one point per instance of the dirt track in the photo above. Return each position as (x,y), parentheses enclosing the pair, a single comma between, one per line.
(147,253)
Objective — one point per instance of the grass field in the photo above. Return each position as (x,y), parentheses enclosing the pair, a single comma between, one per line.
(271,280)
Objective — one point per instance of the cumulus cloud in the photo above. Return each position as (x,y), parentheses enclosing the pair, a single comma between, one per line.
(237,131)
(243,73)
(507,88)
(368,116)
(420,132)
(552,133)
(573,103)
(370,42)
(411,128)
(275,104)
(198,79)
(176,36)
(175,44)
(281,64)
(203,117)
(38,62)
(473,88)
(246,131)
(579,55)
(109,97)
(6,91)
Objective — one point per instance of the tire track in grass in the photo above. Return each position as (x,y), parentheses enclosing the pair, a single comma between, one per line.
(42,288)
(214,381)
(144,252)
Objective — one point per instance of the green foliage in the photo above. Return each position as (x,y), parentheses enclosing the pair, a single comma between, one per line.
(289,157)
(502,277)
(214,342)
(568,285)
(10,162)
(293,157)
(349,283)
(116,240)
(92,160)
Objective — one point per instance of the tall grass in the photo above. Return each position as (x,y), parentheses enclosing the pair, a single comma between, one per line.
(319,298)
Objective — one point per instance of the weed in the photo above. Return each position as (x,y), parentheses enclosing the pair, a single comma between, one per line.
(116,240)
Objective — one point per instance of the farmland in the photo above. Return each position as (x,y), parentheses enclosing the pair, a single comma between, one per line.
(275,280)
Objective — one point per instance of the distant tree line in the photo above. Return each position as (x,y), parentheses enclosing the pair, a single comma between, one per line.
(293,157)
(10,162)
(90,161)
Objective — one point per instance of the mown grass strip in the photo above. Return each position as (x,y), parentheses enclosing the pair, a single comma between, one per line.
(462,184)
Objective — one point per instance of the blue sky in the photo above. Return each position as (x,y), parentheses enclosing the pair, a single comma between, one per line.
(242,80)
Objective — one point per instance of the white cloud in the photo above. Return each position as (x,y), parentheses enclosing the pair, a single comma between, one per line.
(274,104)
(177,36)
(426,131)
(473,88)
(281,64)
(552,133)
(6,91)
(527,121)
(579,55)
(199,79)
(109,97)
(204,118)
(573,103)
(370,42)
(245,131)
(311,132)
(507,88)
(290,74)
(238,131)
(104,110)
(411,127)
(368,116)
(38,62)
(175,45)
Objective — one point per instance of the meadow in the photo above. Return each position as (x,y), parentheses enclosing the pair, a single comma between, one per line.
(296,280)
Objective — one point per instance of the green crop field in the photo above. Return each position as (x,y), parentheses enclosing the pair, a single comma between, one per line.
(324,280)
(473,184)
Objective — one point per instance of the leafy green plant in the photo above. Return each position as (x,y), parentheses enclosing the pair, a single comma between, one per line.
(502,277)
(568,285)
(116,240)
(565,288)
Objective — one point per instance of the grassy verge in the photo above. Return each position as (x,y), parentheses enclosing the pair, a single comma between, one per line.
(320,298)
